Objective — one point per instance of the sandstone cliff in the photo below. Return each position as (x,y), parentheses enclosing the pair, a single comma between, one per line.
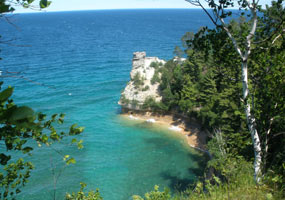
(143,83)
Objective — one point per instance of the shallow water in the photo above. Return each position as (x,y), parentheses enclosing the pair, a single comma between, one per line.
(82,61)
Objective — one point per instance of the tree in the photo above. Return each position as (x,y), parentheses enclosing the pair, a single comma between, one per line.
(7,6)
(243,45)
(188,95)
(20,126)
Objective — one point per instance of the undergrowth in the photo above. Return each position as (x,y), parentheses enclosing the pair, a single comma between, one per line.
(234,182)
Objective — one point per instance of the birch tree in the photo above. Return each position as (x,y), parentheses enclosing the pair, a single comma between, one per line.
(243,47)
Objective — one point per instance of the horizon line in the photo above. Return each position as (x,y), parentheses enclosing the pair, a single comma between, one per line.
(108,9)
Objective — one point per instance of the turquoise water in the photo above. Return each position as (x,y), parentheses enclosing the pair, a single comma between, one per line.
(82,61)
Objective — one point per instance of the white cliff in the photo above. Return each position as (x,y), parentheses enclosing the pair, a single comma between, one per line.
(142,86)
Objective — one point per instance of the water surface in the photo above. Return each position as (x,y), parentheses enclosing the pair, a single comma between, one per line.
(82,61)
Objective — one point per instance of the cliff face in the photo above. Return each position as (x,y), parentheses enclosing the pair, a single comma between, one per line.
(142,84)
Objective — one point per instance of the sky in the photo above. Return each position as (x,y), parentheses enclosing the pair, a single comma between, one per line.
(68,5)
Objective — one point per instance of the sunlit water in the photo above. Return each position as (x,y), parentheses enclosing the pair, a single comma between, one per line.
(78,63)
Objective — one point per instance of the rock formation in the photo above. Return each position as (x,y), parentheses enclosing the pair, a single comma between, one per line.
(142,84)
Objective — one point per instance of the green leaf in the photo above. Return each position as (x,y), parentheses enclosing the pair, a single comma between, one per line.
(4,159)
(237,112)
(26,5)
(21,113)
(66,157)
(5,94)
(41,117)
(53,117)
(44,4)
(79,144)
(70,161)
(30,1)
(60,121)
(27,149)
(44,138)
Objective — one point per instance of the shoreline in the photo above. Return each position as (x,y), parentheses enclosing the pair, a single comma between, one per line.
(184,126)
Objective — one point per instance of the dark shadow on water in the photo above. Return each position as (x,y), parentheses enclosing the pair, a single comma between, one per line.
(180,184)
(158,142)
(176,182)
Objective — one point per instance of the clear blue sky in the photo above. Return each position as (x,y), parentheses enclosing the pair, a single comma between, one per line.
(66,5)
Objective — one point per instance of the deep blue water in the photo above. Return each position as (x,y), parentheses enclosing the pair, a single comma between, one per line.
(82,61)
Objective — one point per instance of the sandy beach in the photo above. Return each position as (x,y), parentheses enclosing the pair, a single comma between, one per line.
(189,128)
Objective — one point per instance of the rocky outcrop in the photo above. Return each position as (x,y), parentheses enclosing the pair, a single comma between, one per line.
(142,84)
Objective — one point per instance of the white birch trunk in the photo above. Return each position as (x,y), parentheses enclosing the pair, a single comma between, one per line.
(249,117)
(251,124)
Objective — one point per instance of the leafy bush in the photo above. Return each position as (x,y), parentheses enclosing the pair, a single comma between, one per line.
(134,102)
(124,100)
(150,103)
(145,88)
(155,195)
(155,78)
(138,80)
(20,127)
(92,195)
(236,183)
(155,65)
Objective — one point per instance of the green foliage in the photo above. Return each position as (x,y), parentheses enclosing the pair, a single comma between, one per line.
(138,80)
(234,182)
(150,103)
(20,125)
(171,84)
(155,65)
(124,100)
(189,94)
(8,6)
(208,85)
(15,176)
(92,195)
(146,88)
(239,183)
(134,102)
(155,195)
(44,3)
(178,52)
(155,78)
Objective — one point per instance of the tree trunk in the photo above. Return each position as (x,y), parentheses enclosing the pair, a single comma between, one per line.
(251,124)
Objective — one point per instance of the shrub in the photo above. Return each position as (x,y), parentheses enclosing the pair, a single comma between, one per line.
(155,65)
(124,100)
(236,183)
(134,102)
(92,195)
(155,78)
(150,103)
(145,88)
(155,195)
(138,80)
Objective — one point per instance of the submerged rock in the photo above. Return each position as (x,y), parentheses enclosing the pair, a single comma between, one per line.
(142,84)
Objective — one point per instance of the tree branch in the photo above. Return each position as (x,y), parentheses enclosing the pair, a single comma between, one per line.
(231,37)
(253,29)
